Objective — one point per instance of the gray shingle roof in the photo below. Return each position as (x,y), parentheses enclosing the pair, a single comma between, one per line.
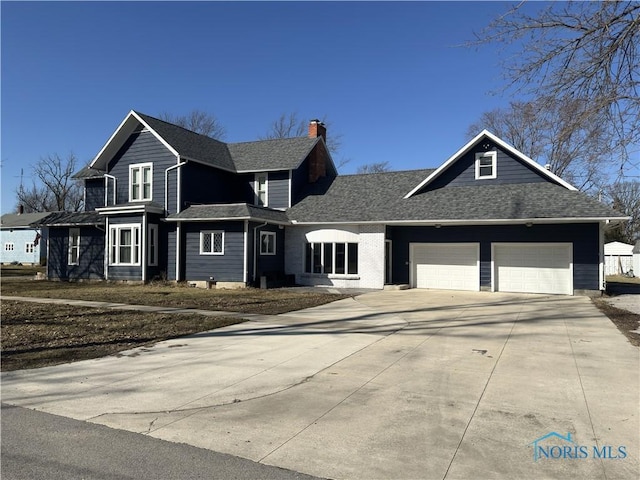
(73,218)
(379,198)
(24,220)
(240,211)
(192,145)
(88,172)
(277,154)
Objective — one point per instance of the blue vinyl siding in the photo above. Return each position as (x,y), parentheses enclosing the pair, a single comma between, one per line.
(267,264)
(90,259)
(171,235)
(172,191)
(125,272)
(509,170)
(202,184)
(278,189)
(93,193)
(223,268)
(585,238)
(142,147)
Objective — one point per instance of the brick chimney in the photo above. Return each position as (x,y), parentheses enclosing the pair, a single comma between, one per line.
(317,158)
(317,129)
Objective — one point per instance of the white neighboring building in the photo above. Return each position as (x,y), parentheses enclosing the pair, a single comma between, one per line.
(618,258)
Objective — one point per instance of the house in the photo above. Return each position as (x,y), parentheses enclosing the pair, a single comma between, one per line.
(618,258)
(21,240)
(165,202)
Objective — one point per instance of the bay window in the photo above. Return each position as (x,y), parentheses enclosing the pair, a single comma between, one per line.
(331,258)
(124,244)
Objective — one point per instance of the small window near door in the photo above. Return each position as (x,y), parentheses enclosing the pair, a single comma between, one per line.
(74,246)
(267,243)
(486,165)
(152,244)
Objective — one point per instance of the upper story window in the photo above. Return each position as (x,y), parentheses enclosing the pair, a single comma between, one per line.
(260,189)
(140,182)
(486,165)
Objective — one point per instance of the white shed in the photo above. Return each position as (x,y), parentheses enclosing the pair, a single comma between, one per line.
(618,258)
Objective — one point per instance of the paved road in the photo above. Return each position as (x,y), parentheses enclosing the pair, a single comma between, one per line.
(38,445)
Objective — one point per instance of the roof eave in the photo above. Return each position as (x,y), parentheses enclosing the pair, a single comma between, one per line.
(498,221)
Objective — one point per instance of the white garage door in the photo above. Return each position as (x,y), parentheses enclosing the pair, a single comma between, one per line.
(446,266)
(533,268)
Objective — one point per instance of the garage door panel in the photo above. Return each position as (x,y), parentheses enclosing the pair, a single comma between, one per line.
(446,266)
(533,268)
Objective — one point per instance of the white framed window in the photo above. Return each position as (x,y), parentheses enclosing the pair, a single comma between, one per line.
(486,165)
(152,245)
(29,247)
(261,186)
(331,258)
(140,182)
(74,246)
(212,242)
(124,244)
(9,246)
(267,243)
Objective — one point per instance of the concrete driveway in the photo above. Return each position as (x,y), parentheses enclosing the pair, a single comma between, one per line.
(400,384)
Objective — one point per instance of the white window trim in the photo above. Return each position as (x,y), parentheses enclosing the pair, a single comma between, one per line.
(152,260)
(211,232)
(29,246)
(270,234)
(266,188)
(9,247)
(494,164)
(140,167)
(116,228)
(72,232)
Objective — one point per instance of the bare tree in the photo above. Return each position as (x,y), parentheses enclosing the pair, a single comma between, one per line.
(286,126)
(199,122)
(578,50)
(53,188)
(625,198)
(378,167)
(554,132)
(291,125)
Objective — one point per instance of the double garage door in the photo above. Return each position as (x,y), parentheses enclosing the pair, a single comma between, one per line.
(515,267)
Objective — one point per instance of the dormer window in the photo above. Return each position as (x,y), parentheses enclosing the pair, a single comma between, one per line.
(140,182)
(486,165)
(260,189)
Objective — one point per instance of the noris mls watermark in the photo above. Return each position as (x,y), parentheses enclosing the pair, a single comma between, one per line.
(554,446)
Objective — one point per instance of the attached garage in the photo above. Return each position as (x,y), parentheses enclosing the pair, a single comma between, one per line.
(446,266)
(533,267)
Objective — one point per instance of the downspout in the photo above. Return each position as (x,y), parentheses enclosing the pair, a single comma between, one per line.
(255,249)
(107,245)
(166,187)
(178,233)
(601,227)
(246,252)
(143,247)
(106,188)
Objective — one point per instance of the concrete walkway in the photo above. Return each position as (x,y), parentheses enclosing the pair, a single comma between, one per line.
(405,384)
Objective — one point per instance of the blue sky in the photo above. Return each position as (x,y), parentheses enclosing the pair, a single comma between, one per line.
(392,78)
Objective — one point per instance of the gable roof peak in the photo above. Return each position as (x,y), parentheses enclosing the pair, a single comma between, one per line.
(503,145)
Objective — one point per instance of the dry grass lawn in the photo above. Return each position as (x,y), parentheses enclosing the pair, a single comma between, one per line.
(248,300)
